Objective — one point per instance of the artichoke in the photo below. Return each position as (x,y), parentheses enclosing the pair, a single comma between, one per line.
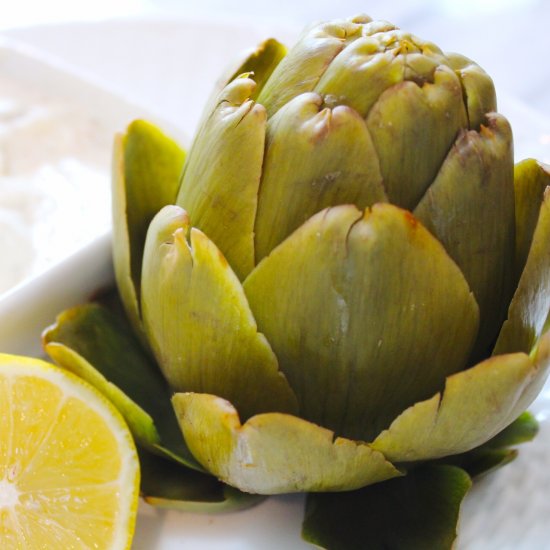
(344,280)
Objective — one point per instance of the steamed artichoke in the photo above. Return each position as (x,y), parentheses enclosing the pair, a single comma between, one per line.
(348,279)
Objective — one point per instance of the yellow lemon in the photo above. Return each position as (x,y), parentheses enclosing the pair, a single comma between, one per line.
(69,472)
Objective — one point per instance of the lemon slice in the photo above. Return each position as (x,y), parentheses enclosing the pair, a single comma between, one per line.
(69,472)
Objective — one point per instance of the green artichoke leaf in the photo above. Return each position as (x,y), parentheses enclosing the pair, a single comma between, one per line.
(274,452)
(306,62)
(475,406)
(478,87)
(531,178)
(413,128)
(522,430)
(146,169)
(315,157)
(164,484)
(101,348)
(199,324)
(221,196)
(497,452)
(475,219)
(483,463)
(414,512)
(259,62)
(366,313)
(530,305)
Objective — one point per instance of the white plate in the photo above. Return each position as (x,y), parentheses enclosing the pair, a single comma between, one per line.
(508,510)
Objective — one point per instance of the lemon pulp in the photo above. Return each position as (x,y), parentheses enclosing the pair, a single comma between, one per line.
(69,473)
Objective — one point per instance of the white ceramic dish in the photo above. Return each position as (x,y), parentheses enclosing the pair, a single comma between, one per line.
(25,309)
(507,511)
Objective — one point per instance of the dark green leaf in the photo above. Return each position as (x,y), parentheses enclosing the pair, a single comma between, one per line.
(101,347)
(496,452)
(522,430)
(165,484)
(415,512)
(488,461)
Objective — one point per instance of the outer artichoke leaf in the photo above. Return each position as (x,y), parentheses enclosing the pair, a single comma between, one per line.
(305,63)
(274,452)
(478,87)
(164,484)
(414,512)
(490,460)
(475,220)
(146,169)
(496,452)
(199,324)
(413,127)
(221,196)
(315,157)
(531,178)
(522,430)
(475,406)
(366,313)
(530,305)
(100,348)
(260,62)
(122,249)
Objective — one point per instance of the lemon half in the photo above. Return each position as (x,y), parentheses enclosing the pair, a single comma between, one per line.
(69,472)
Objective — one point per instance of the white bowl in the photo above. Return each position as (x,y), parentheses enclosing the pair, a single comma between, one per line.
(29,306)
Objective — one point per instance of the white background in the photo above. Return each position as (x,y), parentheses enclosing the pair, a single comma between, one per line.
(509,38)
